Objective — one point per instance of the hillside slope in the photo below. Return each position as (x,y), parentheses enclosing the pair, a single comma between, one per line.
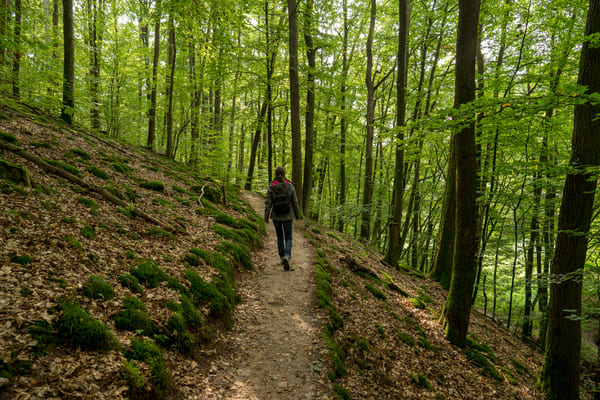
(172,246)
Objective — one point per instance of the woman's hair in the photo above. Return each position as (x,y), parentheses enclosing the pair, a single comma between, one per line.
(280,174)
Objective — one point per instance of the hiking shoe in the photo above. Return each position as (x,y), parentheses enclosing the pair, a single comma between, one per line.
(285,260)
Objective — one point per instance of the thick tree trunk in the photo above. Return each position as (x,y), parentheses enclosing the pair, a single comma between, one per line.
(457,308)
(394,246)
(68,101)
(311,52)
(295,99)
(560,374)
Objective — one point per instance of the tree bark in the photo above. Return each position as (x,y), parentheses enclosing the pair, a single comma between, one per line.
(68,101)
(561,370)
(365,226)
(343,121)
(295,100)
(457,308)
(394,247)
(154,89)
(171,83)
(16,87)
(309,114)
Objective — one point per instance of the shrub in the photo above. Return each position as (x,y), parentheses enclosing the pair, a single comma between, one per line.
(148,273)
(134,317)
(98,288)
(76,328)
(147,351)
(131,282)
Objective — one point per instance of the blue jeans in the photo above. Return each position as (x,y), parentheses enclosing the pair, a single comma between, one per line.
(284,237)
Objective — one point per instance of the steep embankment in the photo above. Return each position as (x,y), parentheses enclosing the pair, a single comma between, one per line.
(105,251)
(117,273)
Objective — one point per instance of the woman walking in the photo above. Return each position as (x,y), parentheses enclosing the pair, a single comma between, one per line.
(281,205)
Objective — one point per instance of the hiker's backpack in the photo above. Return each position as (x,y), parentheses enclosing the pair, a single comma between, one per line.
(281,203)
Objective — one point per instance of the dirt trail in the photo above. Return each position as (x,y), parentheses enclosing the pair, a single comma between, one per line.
(273,350)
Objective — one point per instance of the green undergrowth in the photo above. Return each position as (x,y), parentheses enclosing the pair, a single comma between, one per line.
(482,362)
(97,288)
(186,327)
(421,381)
(131,282)
(134,317)
(208,293)
(148,273)
(148,352)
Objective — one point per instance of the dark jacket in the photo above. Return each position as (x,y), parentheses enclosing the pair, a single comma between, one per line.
(288,188)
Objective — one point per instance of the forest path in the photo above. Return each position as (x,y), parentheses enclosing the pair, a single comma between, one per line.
(273,350)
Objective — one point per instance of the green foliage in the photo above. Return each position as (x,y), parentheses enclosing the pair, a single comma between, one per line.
(192,259)
(65,166)
(76,328)
(87,232)
(45,336)
(204,292)
(405,338)
(520,367)
(136,381)
(148,273)
(421,380)
(98,288)
(337,355)
(334,235)
(98,172)
(482,362)
(23,259)
(87,202)
(158,232)
(508,374)
(127,211)
(156,186)
(418,303)
(84,155)
(134,317)
(120,167)
(131,282)
(73,243)
(26,292)
(130,254)
(8,137)
(380,330)
(376,292)
(341,392)
(147,351)
(472,342)
(240,254)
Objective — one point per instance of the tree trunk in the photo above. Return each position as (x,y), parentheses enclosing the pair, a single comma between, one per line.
(311,52)
(295,100)
(527,326)
(95,14)
(343,122)
(154,89)
(255,142)
(171,82)
(457,308)
(365,225)
(394,247)
(560,373)
(68,100)
(16,88)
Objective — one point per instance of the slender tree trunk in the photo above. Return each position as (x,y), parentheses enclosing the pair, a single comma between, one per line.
(95,15)
(269,65)
(527,326)
(394,246)
(441,268)
(561,370)
(365,226)
(343,122)
(154,89)
(68,100)
(255,142)
(16,87)
(171,83)
(457,308)
(311,52)
(295,100)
